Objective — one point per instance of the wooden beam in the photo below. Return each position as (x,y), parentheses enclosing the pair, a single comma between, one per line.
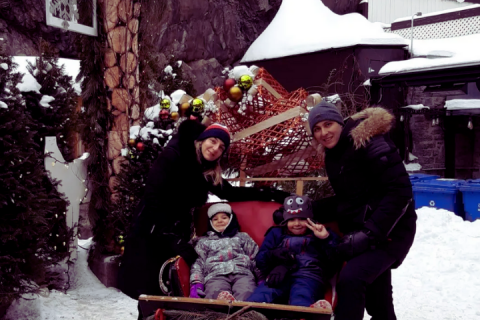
(282,179)
(289,114)
(299,188)
(263,83)
(279,164)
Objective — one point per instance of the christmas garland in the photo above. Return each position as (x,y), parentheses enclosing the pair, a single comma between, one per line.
(96,119)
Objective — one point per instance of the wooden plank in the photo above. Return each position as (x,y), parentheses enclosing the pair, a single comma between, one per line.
(279,164)
(149,304)
(299,189)
(282,179)
(291,113)
(437,18)
(266,85)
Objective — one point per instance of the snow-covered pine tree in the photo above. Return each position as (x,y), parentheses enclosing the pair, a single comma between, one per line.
(54,108)
(172,78)
(130,189)
(33,231)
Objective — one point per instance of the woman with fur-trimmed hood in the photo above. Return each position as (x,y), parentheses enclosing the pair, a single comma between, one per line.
(372,204)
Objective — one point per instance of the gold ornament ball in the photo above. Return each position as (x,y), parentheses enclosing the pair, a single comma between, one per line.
(184,107)
(131,142)
(245,82)
(235,94)
(174,116)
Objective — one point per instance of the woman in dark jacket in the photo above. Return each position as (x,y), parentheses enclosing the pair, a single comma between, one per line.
(372,205)
(178,182)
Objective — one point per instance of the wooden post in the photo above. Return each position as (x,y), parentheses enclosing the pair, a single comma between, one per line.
(121,59)
(243,175)
(299,189)
(449,136)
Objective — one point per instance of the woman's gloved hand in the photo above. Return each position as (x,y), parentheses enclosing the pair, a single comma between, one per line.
(276,276)
(355,243)
(196,290)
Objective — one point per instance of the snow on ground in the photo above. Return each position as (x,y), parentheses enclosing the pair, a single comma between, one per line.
(87,299)
(439,279)
(438,53)
(311,27)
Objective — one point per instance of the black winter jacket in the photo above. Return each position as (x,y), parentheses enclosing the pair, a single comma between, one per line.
(372,187)
(163,227)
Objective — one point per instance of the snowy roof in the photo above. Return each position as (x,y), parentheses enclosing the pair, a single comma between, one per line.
(436,54)
(416,107)
(436,13)
(72,68)
(462,104)
(310,27)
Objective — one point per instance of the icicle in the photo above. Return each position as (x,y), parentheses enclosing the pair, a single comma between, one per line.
(401,118)
(437,121)
(433,122)
(470,124)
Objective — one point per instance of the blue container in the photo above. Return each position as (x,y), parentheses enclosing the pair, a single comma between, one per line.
(420,177)
(471,199)
(440,194)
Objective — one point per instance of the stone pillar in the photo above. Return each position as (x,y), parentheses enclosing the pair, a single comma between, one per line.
(121,77)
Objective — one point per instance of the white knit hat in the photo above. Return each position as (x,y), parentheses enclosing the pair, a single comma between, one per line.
(219,207)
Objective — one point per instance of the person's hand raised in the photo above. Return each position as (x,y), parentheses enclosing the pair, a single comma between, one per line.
(318,229)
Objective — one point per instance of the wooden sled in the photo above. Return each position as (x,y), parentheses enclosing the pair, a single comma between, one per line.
(255,218)
(157,304)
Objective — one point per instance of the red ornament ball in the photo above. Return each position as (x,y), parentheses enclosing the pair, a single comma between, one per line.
(140,146)
(228,83)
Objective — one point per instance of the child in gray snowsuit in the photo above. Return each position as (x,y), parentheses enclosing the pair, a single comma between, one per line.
(226,259)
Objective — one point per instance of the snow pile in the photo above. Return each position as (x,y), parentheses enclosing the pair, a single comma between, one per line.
(87,298)
(28,83)
(461,104)
(439,279)
(411,167)
(3,105)
(45,101)
(438,53)
(310,27)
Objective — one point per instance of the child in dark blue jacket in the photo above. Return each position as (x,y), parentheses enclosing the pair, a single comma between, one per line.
(297,258)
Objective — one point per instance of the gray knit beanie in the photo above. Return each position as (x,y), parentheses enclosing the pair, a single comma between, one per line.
(219,207)
(324,111)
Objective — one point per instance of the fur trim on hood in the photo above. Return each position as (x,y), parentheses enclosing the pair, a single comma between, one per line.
(376,121)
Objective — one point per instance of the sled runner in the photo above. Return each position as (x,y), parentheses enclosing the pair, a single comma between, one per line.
(178,274)
(152,304)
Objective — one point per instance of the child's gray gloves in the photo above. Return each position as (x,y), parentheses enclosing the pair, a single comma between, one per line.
(276,276)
